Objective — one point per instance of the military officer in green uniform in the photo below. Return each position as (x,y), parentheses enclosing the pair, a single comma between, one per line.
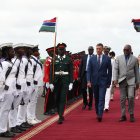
(61,79)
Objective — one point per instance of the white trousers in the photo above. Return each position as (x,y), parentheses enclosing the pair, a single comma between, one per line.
(4,111)
(13,113)
(22,110)
(31,107)
(107,98)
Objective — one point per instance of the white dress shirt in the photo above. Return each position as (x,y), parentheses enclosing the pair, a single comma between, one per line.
(88,57)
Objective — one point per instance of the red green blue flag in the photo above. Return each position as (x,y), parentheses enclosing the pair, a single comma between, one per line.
(48,25)
(136,23)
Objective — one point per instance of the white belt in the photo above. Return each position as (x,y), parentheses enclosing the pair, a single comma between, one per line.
(61,73)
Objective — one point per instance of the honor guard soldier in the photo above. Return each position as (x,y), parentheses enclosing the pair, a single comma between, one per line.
(16,116)
(61,80)
(8,79)
(29,81)
(46,78)
(75,75)
(38,84)
(76,68)
(49,104)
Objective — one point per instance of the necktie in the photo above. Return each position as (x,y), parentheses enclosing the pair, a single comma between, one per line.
(126,59)
(99,59)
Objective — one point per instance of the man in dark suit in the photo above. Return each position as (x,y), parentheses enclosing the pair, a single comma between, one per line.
(83,79)
(99,75)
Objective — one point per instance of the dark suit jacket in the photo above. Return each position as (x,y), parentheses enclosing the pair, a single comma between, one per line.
(82,66)
(99,74)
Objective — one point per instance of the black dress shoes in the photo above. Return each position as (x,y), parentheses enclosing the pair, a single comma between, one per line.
(46,113)
(61,119)
(90,108)
(15,130)
(99,119)
(84,107)
(20,128)
(52,112)
(132,119)
(106,110)
(25,125)
(7,134)
(122,119)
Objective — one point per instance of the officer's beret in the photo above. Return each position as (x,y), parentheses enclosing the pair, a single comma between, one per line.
(61,45)
(6,45)
(19,45)
(50,49)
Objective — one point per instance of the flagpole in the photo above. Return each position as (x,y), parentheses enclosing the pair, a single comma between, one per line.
(54,50)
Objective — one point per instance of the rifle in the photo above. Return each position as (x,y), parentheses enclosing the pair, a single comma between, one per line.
(17,85)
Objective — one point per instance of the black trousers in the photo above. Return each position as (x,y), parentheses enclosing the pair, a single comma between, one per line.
(60,91)
(84,91)
(49,101)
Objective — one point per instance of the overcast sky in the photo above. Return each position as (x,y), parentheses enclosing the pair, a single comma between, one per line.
(81,23)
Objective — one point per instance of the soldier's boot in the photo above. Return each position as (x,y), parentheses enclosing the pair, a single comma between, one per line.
(60,120)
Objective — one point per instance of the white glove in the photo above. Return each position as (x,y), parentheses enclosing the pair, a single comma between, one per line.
(51,87)
(47,85)
(70,86)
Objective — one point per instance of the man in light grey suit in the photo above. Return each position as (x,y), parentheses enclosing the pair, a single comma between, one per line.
(126,74)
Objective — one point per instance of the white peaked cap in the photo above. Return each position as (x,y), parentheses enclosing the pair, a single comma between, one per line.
(6,45)
(23,45)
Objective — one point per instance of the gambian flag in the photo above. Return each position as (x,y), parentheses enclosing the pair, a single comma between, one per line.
(48,25)
(136,23)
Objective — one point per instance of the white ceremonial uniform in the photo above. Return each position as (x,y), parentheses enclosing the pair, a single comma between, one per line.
(8,95)
(16,102)
(37,76)
(21,80)
(29,79)
(22,109)
(22,114)
(1,84)
(108,91)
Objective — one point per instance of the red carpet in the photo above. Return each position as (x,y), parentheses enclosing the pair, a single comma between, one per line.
(82,125)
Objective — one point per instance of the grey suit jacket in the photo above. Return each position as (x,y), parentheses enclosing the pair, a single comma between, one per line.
(129,71)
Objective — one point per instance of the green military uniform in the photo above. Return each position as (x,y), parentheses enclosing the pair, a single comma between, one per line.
(63,76)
